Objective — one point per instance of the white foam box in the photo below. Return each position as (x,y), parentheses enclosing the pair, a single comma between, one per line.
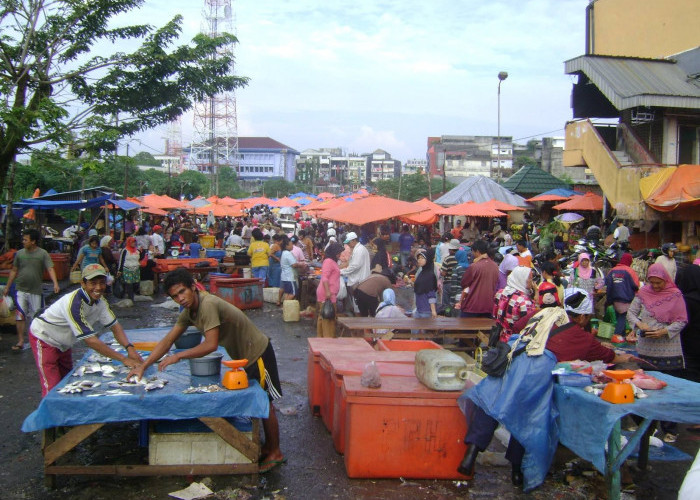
(192,448)
(271,294)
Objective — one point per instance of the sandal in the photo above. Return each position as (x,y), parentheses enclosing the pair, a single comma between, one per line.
(268,465)
(18,348)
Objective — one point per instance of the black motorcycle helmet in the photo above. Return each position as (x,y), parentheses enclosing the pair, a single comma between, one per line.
(668,247)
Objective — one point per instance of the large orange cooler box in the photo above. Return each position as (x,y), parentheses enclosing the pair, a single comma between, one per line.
(406,345)
(313,367)
(244,293)
(329,359)
(61,266)
(338,404)
(402,429)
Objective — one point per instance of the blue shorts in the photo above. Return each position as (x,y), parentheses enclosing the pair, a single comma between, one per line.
(289,287)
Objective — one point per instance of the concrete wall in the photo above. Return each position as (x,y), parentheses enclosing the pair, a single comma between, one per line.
(643,28)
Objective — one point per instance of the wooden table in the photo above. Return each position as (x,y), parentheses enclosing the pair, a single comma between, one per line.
(440,327)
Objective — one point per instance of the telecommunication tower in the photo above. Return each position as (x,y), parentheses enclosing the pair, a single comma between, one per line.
(215,134)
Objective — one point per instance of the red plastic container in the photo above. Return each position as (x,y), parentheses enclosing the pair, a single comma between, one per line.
(314,372)
(332,358)
(246,293)
(344,368)
(402,429)
(214,279)
(60,266)
(407,345)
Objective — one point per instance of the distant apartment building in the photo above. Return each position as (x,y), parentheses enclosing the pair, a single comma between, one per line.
(460,156)
(263,158)
(382,167)
(415,165)
(350,171)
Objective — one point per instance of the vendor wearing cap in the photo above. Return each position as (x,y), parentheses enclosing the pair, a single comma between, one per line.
(73,317)
(358,268)
(521,400)
(158,242)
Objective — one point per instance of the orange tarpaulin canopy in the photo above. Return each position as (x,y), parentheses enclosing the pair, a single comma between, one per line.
(369,209)
(153,211)
(325,195)
(284,202)
(320,206)
(589,201)
(672,188)
(501,205)
(162,202)
(219,210)
(548,197)
(471,209)
(428,216)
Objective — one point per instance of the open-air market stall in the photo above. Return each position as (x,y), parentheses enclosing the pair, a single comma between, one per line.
(233,448)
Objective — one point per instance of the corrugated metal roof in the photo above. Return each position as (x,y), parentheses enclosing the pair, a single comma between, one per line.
(630,82)
(262,143)
(480,189)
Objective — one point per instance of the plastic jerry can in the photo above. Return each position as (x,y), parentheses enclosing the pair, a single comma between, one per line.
(290,310)
(441,370)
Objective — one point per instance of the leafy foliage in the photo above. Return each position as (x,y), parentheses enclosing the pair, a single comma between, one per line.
(278,188)
(59,82)
(191,184)
(411,187)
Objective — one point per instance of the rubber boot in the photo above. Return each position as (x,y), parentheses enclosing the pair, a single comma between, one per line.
(516,475)
(466,466)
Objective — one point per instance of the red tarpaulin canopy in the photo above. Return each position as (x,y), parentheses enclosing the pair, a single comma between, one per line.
(369,209)
(589,201)
(284,202)
(163,202)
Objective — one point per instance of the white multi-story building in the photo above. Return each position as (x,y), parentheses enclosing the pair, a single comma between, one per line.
(460,156)
(414,165)
(382,167)
(263,158)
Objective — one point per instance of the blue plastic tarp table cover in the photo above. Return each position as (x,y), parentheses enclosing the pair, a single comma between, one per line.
(168,403)
(585,420)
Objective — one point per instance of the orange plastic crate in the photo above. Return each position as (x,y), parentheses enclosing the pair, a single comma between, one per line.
(313,367)
(402,429)
(407,345)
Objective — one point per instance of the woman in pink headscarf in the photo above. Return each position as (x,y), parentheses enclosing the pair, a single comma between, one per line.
(584,275)
(657,315)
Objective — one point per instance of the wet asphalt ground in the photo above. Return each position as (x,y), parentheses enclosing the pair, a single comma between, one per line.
(313,471)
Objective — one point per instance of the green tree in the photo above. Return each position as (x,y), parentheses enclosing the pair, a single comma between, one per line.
(278,188)
(46,170)
(228,183)
(191,184)
(411,187)
(58,77)
(521,161)
(155,181)
(146,158)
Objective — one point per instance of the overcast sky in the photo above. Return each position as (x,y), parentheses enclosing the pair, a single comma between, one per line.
(387,74)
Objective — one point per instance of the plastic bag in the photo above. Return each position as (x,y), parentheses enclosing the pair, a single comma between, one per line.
(342,291)
(370,376)
(4,308)
(327,310)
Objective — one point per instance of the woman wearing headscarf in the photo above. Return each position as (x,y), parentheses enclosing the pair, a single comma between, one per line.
(328,289)
(388,309)
(657,315)
(107,255)
(129,268)
(584,276)
(507,265)
(381,257)
(462,256)
(550,276)
(514,301)
(425,286)
(621,284)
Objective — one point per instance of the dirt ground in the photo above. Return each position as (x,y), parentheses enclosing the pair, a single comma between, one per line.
(314,469)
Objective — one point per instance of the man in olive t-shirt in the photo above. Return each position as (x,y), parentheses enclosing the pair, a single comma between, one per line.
(27,272)
(225,325)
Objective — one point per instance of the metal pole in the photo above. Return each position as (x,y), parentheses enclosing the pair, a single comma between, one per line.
(498,152)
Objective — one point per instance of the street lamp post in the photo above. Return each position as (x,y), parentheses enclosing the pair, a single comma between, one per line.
(501,76)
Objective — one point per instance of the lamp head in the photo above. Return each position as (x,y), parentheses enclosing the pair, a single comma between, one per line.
(502,75)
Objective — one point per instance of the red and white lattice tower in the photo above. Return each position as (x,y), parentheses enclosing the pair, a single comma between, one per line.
(215,134)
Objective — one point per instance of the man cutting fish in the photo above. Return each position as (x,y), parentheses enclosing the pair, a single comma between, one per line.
(73,317)
(225,325)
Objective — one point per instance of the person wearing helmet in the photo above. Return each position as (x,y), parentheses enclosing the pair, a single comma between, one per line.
(667,259)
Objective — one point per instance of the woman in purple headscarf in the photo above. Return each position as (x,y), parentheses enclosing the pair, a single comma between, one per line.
(507,265)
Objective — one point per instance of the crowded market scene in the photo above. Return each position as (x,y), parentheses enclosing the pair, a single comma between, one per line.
(428,302)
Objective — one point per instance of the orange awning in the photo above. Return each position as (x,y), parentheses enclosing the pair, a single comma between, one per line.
(162,202)
(501,205)
(670,189)
(471,209)
(320,205)
(427,216)
(589,201)
(369,209)
(284,202)
(325,196)
(153,211)
(219,210)
(548,197)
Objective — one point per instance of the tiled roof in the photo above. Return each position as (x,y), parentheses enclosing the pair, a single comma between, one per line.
(530,180)
(260,143)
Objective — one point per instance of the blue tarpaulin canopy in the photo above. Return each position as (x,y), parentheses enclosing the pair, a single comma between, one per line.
(124,204)
(563,192)
(39,204)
